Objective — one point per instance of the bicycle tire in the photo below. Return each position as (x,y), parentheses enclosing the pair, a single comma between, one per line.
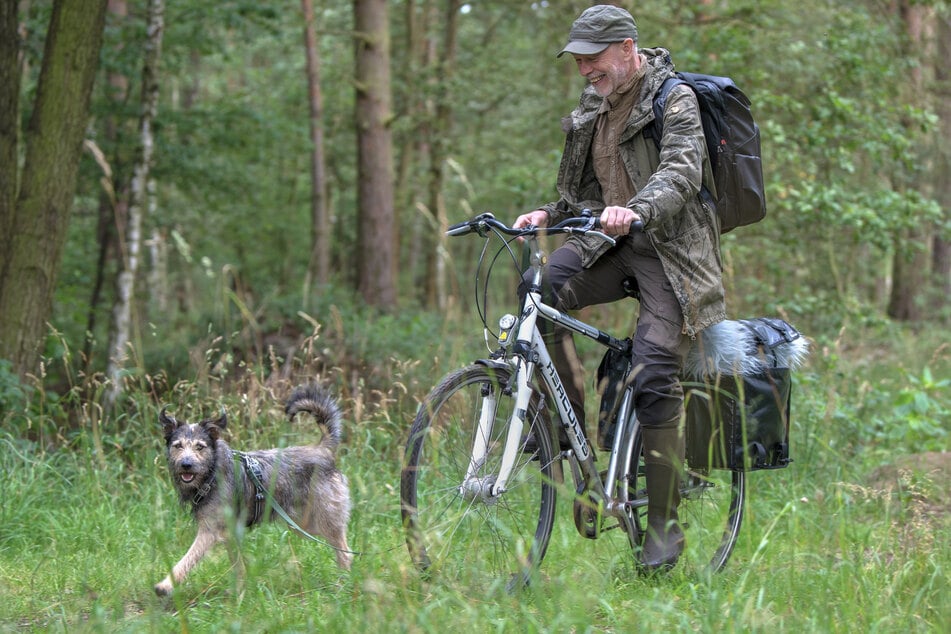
(711,511)
(470,538)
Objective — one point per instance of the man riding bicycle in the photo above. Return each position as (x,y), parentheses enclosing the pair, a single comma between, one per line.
(613,167)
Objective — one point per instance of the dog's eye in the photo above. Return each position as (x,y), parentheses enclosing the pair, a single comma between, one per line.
(177,444)
(200,446)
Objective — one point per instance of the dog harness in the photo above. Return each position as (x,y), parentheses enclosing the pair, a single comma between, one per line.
(253,468)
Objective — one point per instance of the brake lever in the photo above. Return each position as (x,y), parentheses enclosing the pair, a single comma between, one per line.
(603,236)
(591,228)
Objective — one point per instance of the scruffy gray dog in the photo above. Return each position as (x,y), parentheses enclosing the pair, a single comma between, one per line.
(304,481)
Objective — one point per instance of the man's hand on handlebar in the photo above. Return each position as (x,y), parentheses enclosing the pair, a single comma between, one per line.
(537,218)
(616,221)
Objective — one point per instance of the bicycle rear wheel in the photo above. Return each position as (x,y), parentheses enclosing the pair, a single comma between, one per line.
(711,512)
(455,527)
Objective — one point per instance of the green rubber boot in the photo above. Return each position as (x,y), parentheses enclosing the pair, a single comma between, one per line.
(663,461)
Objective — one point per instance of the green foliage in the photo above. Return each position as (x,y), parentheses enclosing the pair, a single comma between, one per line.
(26,408)
(895,407)
(917,417)
(840,142)
(12,393)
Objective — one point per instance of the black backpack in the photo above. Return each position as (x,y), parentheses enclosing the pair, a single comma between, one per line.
(733,142)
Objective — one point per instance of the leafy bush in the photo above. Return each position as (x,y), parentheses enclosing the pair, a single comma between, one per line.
(916,417)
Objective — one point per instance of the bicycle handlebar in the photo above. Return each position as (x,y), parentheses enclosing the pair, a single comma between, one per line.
(586,224)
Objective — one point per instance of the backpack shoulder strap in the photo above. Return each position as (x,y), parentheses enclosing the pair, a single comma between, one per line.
(656,128)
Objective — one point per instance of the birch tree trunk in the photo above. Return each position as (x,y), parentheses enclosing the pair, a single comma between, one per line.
(121,326)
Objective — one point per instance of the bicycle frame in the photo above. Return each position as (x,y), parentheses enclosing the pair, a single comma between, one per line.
(529,353)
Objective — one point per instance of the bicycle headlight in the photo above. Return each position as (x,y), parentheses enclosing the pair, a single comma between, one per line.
(506,325)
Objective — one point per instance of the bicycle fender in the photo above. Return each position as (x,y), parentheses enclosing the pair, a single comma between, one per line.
(493,363)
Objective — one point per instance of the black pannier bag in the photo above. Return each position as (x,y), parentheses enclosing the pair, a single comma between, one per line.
(738,385)
(614,374)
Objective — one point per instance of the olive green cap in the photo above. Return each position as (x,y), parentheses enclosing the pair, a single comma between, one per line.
(597,27)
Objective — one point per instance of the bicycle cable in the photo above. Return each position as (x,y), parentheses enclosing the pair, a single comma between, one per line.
(482,308)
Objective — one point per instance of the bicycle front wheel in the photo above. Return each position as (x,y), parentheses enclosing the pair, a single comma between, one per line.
(456,527)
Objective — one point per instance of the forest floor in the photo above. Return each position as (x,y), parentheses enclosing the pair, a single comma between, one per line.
(924,480)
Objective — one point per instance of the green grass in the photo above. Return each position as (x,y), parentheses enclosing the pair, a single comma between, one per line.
(827,545)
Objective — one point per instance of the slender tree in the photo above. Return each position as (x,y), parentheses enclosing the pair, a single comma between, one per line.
(121,326)
(113,199)
(376,240)
(909,264)
(941,248)
(318,269)
(412,148)
(438,146)
(35,226)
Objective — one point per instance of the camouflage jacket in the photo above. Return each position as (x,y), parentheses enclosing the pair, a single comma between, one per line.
(681,225)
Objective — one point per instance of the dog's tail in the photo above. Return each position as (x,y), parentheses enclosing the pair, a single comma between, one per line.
(317,402)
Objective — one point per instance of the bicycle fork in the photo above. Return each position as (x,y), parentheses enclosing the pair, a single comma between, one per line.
(529,352)
(489,487)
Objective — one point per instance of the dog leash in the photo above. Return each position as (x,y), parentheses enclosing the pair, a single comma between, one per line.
(253,468)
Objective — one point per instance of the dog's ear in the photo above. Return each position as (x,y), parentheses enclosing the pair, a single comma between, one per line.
(214,426)
(169,424)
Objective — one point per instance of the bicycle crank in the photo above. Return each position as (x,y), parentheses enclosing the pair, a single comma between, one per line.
(588,512)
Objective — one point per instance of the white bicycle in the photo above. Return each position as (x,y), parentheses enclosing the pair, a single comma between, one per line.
(483,467)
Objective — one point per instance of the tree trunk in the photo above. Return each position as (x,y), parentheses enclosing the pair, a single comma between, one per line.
(10,74)
(111,197)
(53,141)
(412,147)
(910,257)
(318,268)
(941,248)
(376,238)
(121,327)
(436,287)
(112,208)
(159,301)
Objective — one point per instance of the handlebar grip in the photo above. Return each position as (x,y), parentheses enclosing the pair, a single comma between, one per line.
(636,225)
(458,229)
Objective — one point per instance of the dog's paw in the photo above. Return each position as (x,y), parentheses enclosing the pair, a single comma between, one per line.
(164,588)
